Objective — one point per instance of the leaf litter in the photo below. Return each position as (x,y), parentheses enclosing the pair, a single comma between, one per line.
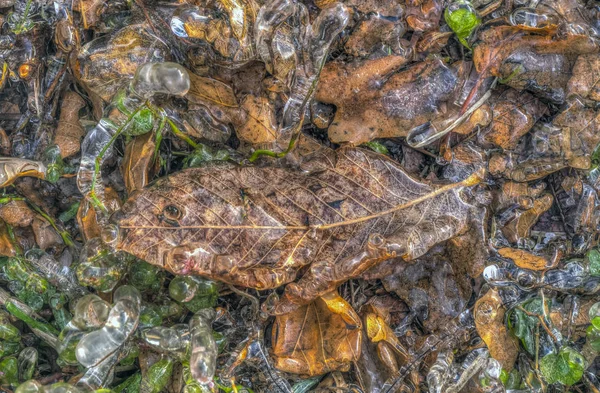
(299,196)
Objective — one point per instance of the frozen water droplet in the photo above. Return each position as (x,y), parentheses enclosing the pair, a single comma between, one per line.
(122,320)
(167,78)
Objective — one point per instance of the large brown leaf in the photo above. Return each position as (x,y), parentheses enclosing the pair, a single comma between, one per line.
(256,227)
(320,337)
(254,119)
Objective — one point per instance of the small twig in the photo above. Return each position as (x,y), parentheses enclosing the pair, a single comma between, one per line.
(490,8)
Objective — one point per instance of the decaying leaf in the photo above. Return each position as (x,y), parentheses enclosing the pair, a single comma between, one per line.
(317,338)
(227,27)
(17,213)
(438,287)
(288,222)
(253,119)
(137,162)
(568,141)
(545,74)
(374,102)
(5,143)
(12,168)
(522,194)
(521,222)
(498,44)
(375,32)
(525,259)
(108,63)
(256,227)
(586,77)
(69,131)
(513,115)
(489,321)
(204,89)
(45,234)
(258,124)
(423,15)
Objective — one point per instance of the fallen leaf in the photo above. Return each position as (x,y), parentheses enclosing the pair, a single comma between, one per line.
(513,115)
(317,338)
(520,225)
(91,10)
(253,119)
(17,213)
(259,125)
(45,234)
(524,259)
(586,77)
(422,16)
(569,140)
(109,62)
(375,101)
(489,322)
(256,227)
(204,90)
(69,131)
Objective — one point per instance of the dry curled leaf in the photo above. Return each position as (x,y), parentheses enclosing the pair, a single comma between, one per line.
(317,338)
(521,222)
(12,168)
(256,227)
(69,131)
(489,322)
(524,259)
(137,162)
